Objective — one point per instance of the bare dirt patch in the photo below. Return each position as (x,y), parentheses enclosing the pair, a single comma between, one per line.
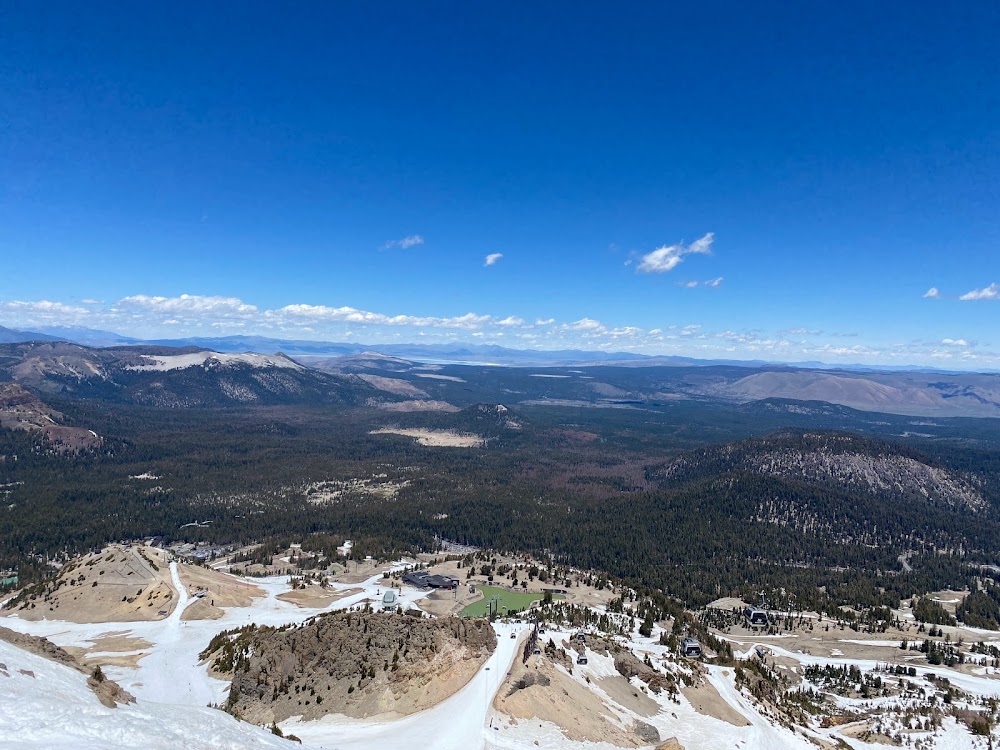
(442,603)
(440,377)
(419,405)
(333,490)
(434,438)
(215,590)
(121,640)
(394,386)
(316,596)
(624,693)
(119,584)
(706,700)
(551,695)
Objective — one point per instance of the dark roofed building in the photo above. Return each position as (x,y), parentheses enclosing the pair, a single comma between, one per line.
(424,580)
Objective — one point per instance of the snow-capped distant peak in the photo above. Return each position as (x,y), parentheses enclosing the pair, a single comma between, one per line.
(162,363)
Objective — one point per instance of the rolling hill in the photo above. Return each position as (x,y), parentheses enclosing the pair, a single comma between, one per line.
(175,378)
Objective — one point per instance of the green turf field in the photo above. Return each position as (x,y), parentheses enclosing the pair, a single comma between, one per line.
(508,599)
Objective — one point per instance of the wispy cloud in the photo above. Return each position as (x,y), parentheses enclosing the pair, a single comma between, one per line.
(406,242)
(932,293)
(44,312)
(190,304)
(297,314)
(89,301)
(710,283)
(668,257)
(492,258)
(154,316)
(990,292)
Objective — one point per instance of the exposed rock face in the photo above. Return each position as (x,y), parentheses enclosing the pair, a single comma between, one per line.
(354,663)
(527,680)
(629,666)
(39,646)
(646,732)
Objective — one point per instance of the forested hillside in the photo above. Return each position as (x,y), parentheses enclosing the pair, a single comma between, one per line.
(697,500)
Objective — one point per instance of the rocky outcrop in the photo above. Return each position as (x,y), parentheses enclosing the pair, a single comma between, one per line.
(355,663)
(108,692)
(629,666)
(647,733)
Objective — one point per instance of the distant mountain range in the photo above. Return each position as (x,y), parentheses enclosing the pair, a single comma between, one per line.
(460,353)
(257,370)
(172,377)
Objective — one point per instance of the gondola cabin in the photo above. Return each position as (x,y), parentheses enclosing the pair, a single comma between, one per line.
(690,647)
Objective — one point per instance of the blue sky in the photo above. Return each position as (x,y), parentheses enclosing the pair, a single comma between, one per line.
(776,182)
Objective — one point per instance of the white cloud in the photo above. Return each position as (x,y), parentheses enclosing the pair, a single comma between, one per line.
(858,350)
(406,242)
(188,304)
(492,258)
(932,293)
(89,301)
(44,306)
(151,316)
(585,324)
(668,257)
(44,312)
(299,313)
(710,283)
(990,292)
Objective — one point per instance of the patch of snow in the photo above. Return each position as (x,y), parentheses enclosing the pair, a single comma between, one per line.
(164,363)
(53,709)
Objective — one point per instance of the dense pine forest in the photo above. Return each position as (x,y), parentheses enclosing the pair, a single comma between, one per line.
(696,500)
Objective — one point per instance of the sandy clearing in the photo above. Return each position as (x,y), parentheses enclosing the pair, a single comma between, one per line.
(126,661)
(425,405)
(316,596)
(624,693)
(706,700)
(434,438)
(443,603)
(452,378)
(213,591)
(394,385)
(579,713)
(121,640)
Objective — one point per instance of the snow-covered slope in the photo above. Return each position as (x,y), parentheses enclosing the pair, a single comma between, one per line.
(48,706)
(164,363)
